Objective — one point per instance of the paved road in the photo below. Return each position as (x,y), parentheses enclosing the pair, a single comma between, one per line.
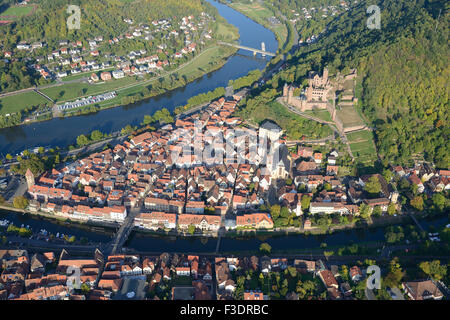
(369,294)
(123,232)
(396,294)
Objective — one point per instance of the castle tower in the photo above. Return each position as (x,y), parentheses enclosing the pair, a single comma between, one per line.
(290,94)
(325,76)
(285,91)
(29,176)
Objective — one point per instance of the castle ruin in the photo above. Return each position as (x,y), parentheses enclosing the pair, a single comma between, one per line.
(316,96)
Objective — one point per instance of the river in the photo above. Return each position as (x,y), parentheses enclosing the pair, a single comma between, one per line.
(60,132)
(63,131)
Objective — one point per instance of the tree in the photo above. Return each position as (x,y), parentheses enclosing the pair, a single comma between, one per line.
(85,289)
(387,174)
(417,203)
(377,211)
(392,209)
(434,269)
(284,212)
(96,135)
(305,289)
(82,140)
(265,248)
(364,211)
(395,275)
(344,272)
(2,199)
(191,229)
(275,211)
(147,120)
(439,201)
(306,200)
(9,157)
(373,186)
(20,202)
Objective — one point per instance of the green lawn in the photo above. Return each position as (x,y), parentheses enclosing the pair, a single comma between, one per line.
(227,31)
(294,125)
(321,114)
(15,103)
(17,11)
(72,91)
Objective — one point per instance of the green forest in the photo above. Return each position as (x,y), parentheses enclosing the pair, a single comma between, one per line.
(403,74)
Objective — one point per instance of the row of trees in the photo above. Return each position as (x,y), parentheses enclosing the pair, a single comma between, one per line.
(96,135)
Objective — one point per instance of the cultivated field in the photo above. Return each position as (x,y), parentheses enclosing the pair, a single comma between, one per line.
(362,145)
(349,116)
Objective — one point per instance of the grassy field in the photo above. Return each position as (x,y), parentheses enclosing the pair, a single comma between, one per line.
(362,145)
(17,11)
(227,31)
(15,103)
(261,14)
(294,125)
(321,114)
(349,116)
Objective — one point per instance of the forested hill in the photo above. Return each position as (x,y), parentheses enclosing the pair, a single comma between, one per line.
(403,74)
(98,18)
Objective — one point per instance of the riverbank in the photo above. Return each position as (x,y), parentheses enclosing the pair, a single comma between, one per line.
(108,119)
(236,234)
(208,60)
(93,226)
(260,14)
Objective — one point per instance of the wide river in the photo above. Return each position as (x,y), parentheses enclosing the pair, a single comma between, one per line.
(61,132)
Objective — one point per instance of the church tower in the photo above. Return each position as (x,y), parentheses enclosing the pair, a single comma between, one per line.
(30,178)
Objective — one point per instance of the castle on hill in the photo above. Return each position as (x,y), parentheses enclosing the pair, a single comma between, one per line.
(316,95)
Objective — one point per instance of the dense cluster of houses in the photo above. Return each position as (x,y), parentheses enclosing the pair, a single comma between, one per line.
(208,170)
(322,11)
(141,173)
(317,13)
(46,276)
(94,55)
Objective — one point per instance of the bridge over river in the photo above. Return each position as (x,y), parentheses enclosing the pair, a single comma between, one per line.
(255,51)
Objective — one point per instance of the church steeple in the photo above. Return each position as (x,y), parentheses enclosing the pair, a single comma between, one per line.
(30,178)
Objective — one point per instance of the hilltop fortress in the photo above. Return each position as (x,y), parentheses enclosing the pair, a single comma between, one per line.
(316,96)
(321,94)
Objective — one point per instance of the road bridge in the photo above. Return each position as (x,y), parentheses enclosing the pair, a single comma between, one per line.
(255,51)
